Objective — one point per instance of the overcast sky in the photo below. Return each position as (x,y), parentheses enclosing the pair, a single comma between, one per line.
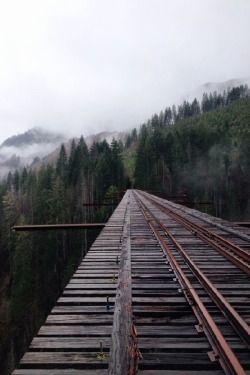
(84,66)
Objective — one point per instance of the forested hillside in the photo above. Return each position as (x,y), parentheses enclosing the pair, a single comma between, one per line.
(200,151)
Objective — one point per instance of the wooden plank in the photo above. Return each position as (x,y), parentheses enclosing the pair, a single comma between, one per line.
(57,226)
(100,265)
(80,319)
(92,283)
(69,309)
(71,330)
(64,359)
(82,286)
(179,360)
(99,272)
(59,372)
(52,343)
(122,360)
(172,344)
(92,293)
(160,300)
(164,319)
(83,300)
(180,372)
(166,331)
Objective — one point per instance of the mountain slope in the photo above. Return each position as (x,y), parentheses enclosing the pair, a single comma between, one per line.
(38,146)
(30,137)
(52,157)
(20,150)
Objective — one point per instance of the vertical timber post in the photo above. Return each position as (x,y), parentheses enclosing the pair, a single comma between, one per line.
(121,351)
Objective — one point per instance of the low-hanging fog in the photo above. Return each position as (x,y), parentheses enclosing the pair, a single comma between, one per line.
(84,66)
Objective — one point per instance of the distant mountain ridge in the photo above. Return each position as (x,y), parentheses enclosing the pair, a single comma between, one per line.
(37,146)
(52,157)
(21,150)
(219,87)
(31,136)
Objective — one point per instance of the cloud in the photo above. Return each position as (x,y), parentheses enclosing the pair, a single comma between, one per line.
(29,152)
(84,66)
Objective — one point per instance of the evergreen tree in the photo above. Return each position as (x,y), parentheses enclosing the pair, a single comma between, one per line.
(205,103)
(23,273)
(71,163)
(62,164)
(16,181)
(174,114)
(167,117)
(142,159)
(155,122)
(195,108)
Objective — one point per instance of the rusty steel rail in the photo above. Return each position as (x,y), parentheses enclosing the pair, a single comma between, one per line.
(19,228)
(222,350)
(235,319)
(234,253)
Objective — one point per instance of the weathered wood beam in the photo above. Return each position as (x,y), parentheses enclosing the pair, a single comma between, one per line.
(100,204)
(122,352)
(57,226)
(243,223)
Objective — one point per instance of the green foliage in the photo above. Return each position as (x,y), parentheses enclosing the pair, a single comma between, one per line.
(128,159)
(23,286)
(62,164)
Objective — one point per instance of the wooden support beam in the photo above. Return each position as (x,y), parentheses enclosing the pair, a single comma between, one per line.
(99,204)
(19,228)
(243,223)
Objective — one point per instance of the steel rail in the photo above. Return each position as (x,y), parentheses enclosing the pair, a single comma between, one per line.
(221,348)
(228,311)
(238,250)
(211,238)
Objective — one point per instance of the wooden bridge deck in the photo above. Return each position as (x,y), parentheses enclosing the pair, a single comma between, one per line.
(82,319)
(124,310)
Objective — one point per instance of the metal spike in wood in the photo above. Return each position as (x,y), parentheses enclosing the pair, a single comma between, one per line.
(101,356)
(107,306)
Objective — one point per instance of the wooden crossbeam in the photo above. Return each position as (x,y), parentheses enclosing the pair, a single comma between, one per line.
(243,223)
(57,226)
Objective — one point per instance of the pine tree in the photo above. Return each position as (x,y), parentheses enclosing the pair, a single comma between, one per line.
(62,164)
(71,170)
(23,275)
(195,107)
(167,117)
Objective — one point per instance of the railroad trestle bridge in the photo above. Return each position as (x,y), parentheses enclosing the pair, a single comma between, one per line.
(163,290)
